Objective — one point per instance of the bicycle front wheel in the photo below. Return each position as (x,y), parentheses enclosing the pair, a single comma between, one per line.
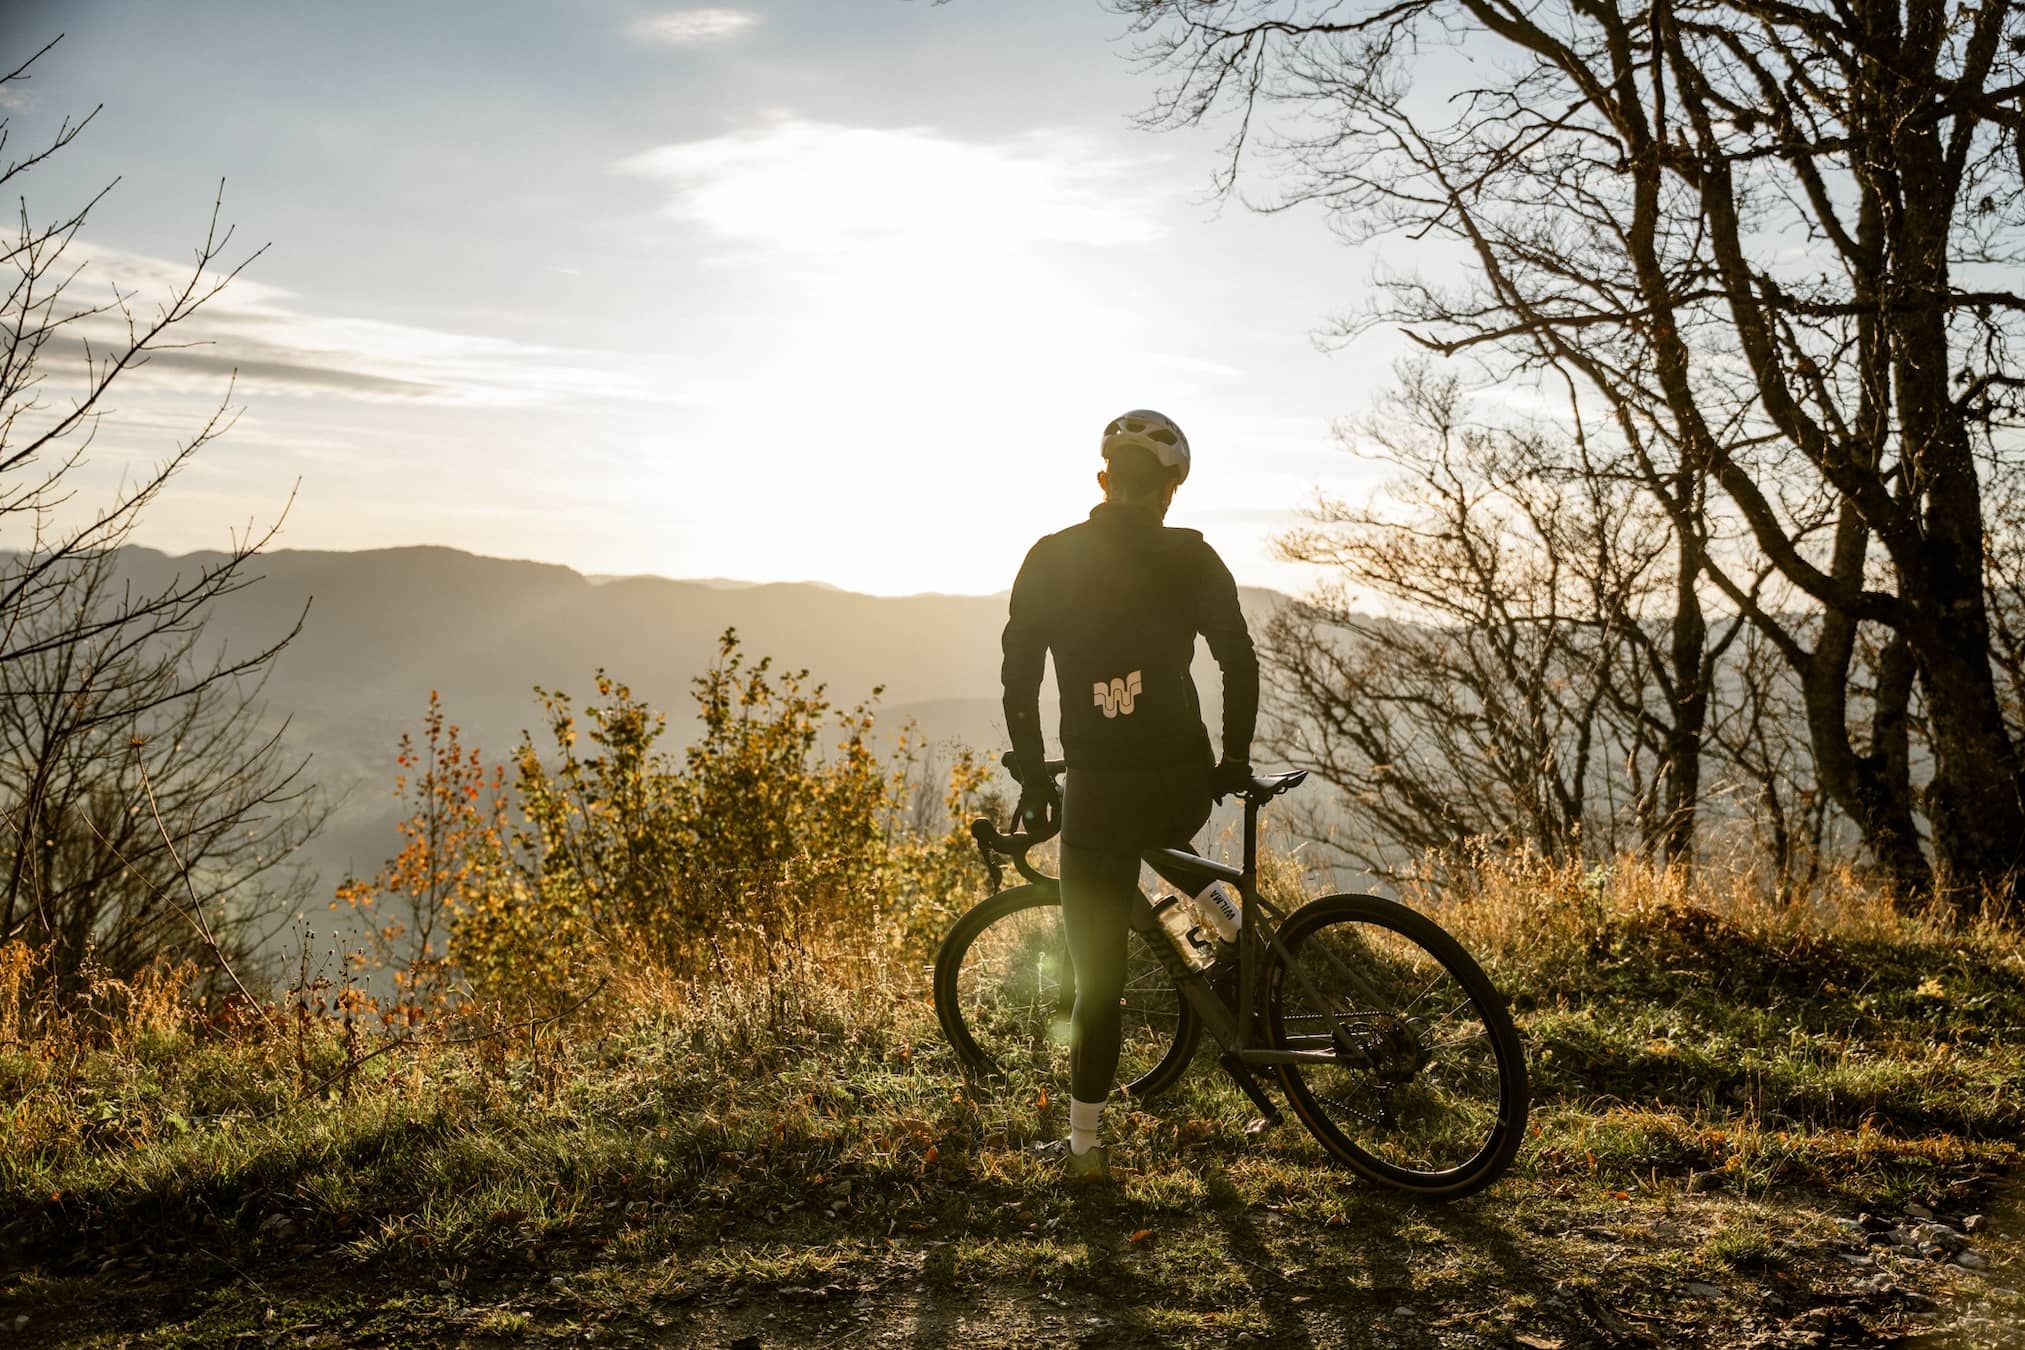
(1427,1088)
(1004,989)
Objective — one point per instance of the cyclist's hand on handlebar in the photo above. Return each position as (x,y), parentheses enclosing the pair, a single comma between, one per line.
(1040,808)
(1229,779)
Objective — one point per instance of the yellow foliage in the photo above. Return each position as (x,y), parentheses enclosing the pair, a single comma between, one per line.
(451,857)
(777,829)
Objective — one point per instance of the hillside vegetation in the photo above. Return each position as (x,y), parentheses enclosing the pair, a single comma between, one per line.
(1755,1122)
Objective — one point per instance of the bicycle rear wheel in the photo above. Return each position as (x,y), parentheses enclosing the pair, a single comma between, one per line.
(1429,1091)
(1004,989)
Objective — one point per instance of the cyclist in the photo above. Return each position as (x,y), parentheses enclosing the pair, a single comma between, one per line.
(1119,599)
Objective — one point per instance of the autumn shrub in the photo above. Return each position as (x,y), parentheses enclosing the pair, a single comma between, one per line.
(934,870)
(776,841)
(452,855)
(778,828)
(590,848)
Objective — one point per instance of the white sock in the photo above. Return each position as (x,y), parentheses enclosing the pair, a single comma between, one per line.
(1084,1117)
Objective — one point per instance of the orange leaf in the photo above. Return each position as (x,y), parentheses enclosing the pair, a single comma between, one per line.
(1043,1102)
(1140,1236)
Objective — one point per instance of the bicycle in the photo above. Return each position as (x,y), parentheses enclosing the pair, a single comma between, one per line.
(1388,1041)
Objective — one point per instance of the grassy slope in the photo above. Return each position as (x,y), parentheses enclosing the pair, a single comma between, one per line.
(1719,1088)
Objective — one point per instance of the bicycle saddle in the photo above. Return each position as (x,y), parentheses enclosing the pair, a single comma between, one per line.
(1273,784)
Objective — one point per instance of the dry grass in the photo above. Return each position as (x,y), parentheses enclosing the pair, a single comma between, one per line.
(1712,1070)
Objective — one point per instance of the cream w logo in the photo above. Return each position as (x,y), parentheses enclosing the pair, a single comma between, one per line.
(1115,697)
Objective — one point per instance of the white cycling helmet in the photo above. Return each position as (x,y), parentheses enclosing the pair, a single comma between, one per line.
(1151,431)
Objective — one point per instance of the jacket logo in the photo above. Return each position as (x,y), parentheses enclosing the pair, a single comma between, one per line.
(1115,696)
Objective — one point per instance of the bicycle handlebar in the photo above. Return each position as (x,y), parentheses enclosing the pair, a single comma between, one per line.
(1260,790)
(992,842)
(1012,845)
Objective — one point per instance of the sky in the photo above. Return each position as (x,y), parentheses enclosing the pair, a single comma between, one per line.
(837,290)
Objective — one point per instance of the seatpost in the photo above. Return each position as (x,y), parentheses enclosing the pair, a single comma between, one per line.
(1248,933)
(1251,840)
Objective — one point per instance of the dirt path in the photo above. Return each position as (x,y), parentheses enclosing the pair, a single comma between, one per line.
(1985,1307)
(1704,1270)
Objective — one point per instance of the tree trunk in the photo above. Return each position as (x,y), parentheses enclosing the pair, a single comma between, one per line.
(1974,805)
(1691,701)
(1978,824)
(1873,789)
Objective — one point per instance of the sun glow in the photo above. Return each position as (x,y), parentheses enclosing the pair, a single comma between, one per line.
(935,330)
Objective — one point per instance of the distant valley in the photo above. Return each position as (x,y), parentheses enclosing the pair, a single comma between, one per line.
(384,627)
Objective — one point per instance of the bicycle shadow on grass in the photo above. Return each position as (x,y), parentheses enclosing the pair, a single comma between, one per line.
(1299,1280)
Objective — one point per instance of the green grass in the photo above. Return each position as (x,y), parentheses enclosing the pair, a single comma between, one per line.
(1708,1091)
(1740,1246)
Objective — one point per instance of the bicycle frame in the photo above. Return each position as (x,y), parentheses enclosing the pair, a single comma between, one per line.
(1232,1027)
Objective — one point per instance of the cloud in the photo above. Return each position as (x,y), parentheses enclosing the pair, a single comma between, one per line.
(276,344)
(688,27)
(280,372)
(814,186)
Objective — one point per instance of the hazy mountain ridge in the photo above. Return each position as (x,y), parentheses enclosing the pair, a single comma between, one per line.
(386,626)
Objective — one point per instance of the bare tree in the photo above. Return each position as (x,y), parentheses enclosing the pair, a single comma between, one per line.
(1499,691)
(149,815)
(1628,184)
(145,811)
(1759,740)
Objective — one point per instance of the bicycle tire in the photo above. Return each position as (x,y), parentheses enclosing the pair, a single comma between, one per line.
(1425,1119)
(1003,991)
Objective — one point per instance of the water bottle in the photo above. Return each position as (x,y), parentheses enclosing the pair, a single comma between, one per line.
(1179,927)
(1221,909)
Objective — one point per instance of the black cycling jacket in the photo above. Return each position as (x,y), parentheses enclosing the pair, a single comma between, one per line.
(1119,599)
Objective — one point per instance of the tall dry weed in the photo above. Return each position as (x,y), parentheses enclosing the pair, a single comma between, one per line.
(1515,907)
(17,964)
